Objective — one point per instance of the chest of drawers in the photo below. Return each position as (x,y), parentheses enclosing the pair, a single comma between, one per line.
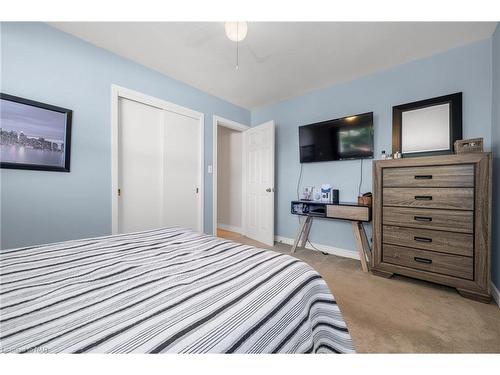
(431,220)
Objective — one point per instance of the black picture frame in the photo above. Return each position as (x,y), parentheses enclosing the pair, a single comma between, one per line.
(455,122)
(67,136)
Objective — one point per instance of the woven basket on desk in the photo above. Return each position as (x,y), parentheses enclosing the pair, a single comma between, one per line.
(465,146)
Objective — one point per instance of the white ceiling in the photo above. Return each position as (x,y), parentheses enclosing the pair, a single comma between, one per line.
(278,60)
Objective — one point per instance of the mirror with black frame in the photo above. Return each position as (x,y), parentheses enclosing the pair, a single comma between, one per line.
(427,127)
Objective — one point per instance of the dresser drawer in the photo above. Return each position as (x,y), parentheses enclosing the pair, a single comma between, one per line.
(426,239)
(446,264)
(447,220)
(444,198)
(358,213)
(430,176)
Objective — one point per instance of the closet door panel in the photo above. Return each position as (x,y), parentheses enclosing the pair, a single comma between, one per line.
(182,170)
(140,156)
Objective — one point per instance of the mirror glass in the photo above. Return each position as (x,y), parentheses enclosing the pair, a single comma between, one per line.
(426,129)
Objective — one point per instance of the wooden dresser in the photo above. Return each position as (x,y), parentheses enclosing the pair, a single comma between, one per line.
(431,220)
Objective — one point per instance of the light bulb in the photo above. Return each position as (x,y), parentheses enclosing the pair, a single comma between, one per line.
(236,31)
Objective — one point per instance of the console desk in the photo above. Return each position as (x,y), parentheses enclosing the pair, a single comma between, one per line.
(353,212)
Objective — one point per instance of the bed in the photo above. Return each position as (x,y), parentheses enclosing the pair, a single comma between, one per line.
(170,290)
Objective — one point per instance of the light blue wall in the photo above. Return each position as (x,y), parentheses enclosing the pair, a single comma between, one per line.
(466,69)
(495,140)
(41,63)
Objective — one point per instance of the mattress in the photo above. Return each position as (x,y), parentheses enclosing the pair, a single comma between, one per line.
(170,290)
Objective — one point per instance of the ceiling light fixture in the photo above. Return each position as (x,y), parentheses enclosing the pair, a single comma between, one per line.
(236,31)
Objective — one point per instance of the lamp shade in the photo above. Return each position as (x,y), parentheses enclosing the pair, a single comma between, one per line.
(236,31)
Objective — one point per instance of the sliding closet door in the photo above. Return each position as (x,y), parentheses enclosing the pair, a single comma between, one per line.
(182,178)
(141,166)
(159,164)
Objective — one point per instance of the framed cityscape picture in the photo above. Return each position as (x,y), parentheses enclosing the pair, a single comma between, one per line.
(34,135)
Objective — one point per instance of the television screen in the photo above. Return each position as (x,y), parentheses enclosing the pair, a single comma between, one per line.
(344,138)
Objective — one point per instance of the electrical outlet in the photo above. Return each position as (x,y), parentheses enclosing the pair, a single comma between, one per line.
(210,169)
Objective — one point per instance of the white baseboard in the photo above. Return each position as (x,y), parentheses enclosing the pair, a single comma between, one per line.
(327,249)
(230,228)
(495,293)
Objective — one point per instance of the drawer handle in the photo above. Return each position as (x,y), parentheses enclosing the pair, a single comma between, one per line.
(422,218)
(423,260)
(423,177)
(423,197)
(422,239)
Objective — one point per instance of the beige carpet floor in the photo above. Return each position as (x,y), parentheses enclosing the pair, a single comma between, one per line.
(400,315)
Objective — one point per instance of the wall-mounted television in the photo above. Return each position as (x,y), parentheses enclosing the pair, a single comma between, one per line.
(345,138)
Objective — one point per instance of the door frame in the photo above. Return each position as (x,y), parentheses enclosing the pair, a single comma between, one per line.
(230,124)
(122,92)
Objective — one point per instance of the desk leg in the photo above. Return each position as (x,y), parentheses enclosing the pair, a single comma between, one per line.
(300,233)
(361,243)
(307,229)
(366,245)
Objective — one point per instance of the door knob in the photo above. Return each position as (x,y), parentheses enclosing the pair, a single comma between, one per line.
(268,190)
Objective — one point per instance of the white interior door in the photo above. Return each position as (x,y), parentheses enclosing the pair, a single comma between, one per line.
(259,187)
(140,153)
(182,176)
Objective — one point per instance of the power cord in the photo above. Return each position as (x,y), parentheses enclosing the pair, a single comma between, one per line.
(299,181)
(315,248)
(298,217)
(360,178)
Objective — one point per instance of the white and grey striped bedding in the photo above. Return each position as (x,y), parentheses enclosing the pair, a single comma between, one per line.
(170,290)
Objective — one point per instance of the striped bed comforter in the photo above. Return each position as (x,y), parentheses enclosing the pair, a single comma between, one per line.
(164,291)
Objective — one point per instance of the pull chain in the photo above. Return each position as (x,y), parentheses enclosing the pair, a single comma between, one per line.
(237,44)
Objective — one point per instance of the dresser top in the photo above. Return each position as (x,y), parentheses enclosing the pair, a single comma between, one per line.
(450,159)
